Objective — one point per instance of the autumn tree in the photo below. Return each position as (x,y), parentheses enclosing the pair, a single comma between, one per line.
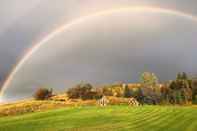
(83,91)
(43,93)
(148,79)
(150,89)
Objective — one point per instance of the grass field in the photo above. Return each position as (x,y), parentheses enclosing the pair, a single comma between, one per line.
(111,118)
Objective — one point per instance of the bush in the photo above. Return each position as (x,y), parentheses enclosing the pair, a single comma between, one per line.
(43,94)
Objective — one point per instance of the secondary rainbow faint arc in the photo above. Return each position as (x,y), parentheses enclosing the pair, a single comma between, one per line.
(84,18)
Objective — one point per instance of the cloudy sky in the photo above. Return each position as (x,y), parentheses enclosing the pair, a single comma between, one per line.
(24,23)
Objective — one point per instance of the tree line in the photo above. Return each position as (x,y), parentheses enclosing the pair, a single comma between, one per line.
(182,90)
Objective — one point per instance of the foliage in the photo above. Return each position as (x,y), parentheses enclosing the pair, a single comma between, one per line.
(43,94)
(182,76)
(107,91)
(83,91)
(136,93)
(118,91)
(149,79)
(165,94)
(194,90)
(150,92)
(148,96)
(113,90)
(180,91)
(127,92)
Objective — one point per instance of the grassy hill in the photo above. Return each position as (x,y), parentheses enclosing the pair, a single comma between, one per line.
(59,101)
(118,118)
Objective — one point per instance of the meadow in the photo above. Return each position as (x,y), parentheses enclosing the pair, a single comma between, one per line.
(110,118)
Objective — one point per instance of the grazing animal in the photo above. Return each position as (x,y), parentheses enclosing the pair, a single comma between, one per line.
(103,101)
(133,102)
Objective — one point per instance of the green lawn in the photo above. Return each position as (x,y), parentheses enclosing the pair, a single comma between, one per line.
(111,118)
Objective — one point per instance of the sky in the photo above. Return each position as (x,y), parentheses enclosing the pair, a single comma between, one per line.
(25,23)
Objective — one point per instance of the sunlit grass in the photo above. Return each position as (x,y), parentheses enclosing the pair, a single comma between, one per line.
(145,118)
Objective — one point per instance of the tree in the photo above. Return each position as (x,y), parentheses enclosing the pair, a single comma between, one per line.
(107,90)
(43,94)
(83,91)
(117,91)
(194,90)
(127,92)
(165,93)
(149,79)
(182,76)
(180,89)
(179,76)
(149,89)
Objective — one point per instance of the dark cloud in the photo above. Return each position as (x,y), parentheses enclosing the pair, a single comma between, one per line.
(24,22)
(108,49)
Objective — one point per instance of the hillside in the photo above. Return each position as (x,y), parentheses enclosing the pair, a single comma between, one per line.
(30,106)
(58,101)
(120,118)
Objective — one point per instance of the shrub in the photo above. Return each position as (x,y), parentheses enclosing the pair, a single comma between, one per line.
(43,94)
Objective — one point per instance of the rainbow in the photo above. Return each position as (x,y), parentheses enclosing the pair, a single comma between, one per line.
(84,18)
